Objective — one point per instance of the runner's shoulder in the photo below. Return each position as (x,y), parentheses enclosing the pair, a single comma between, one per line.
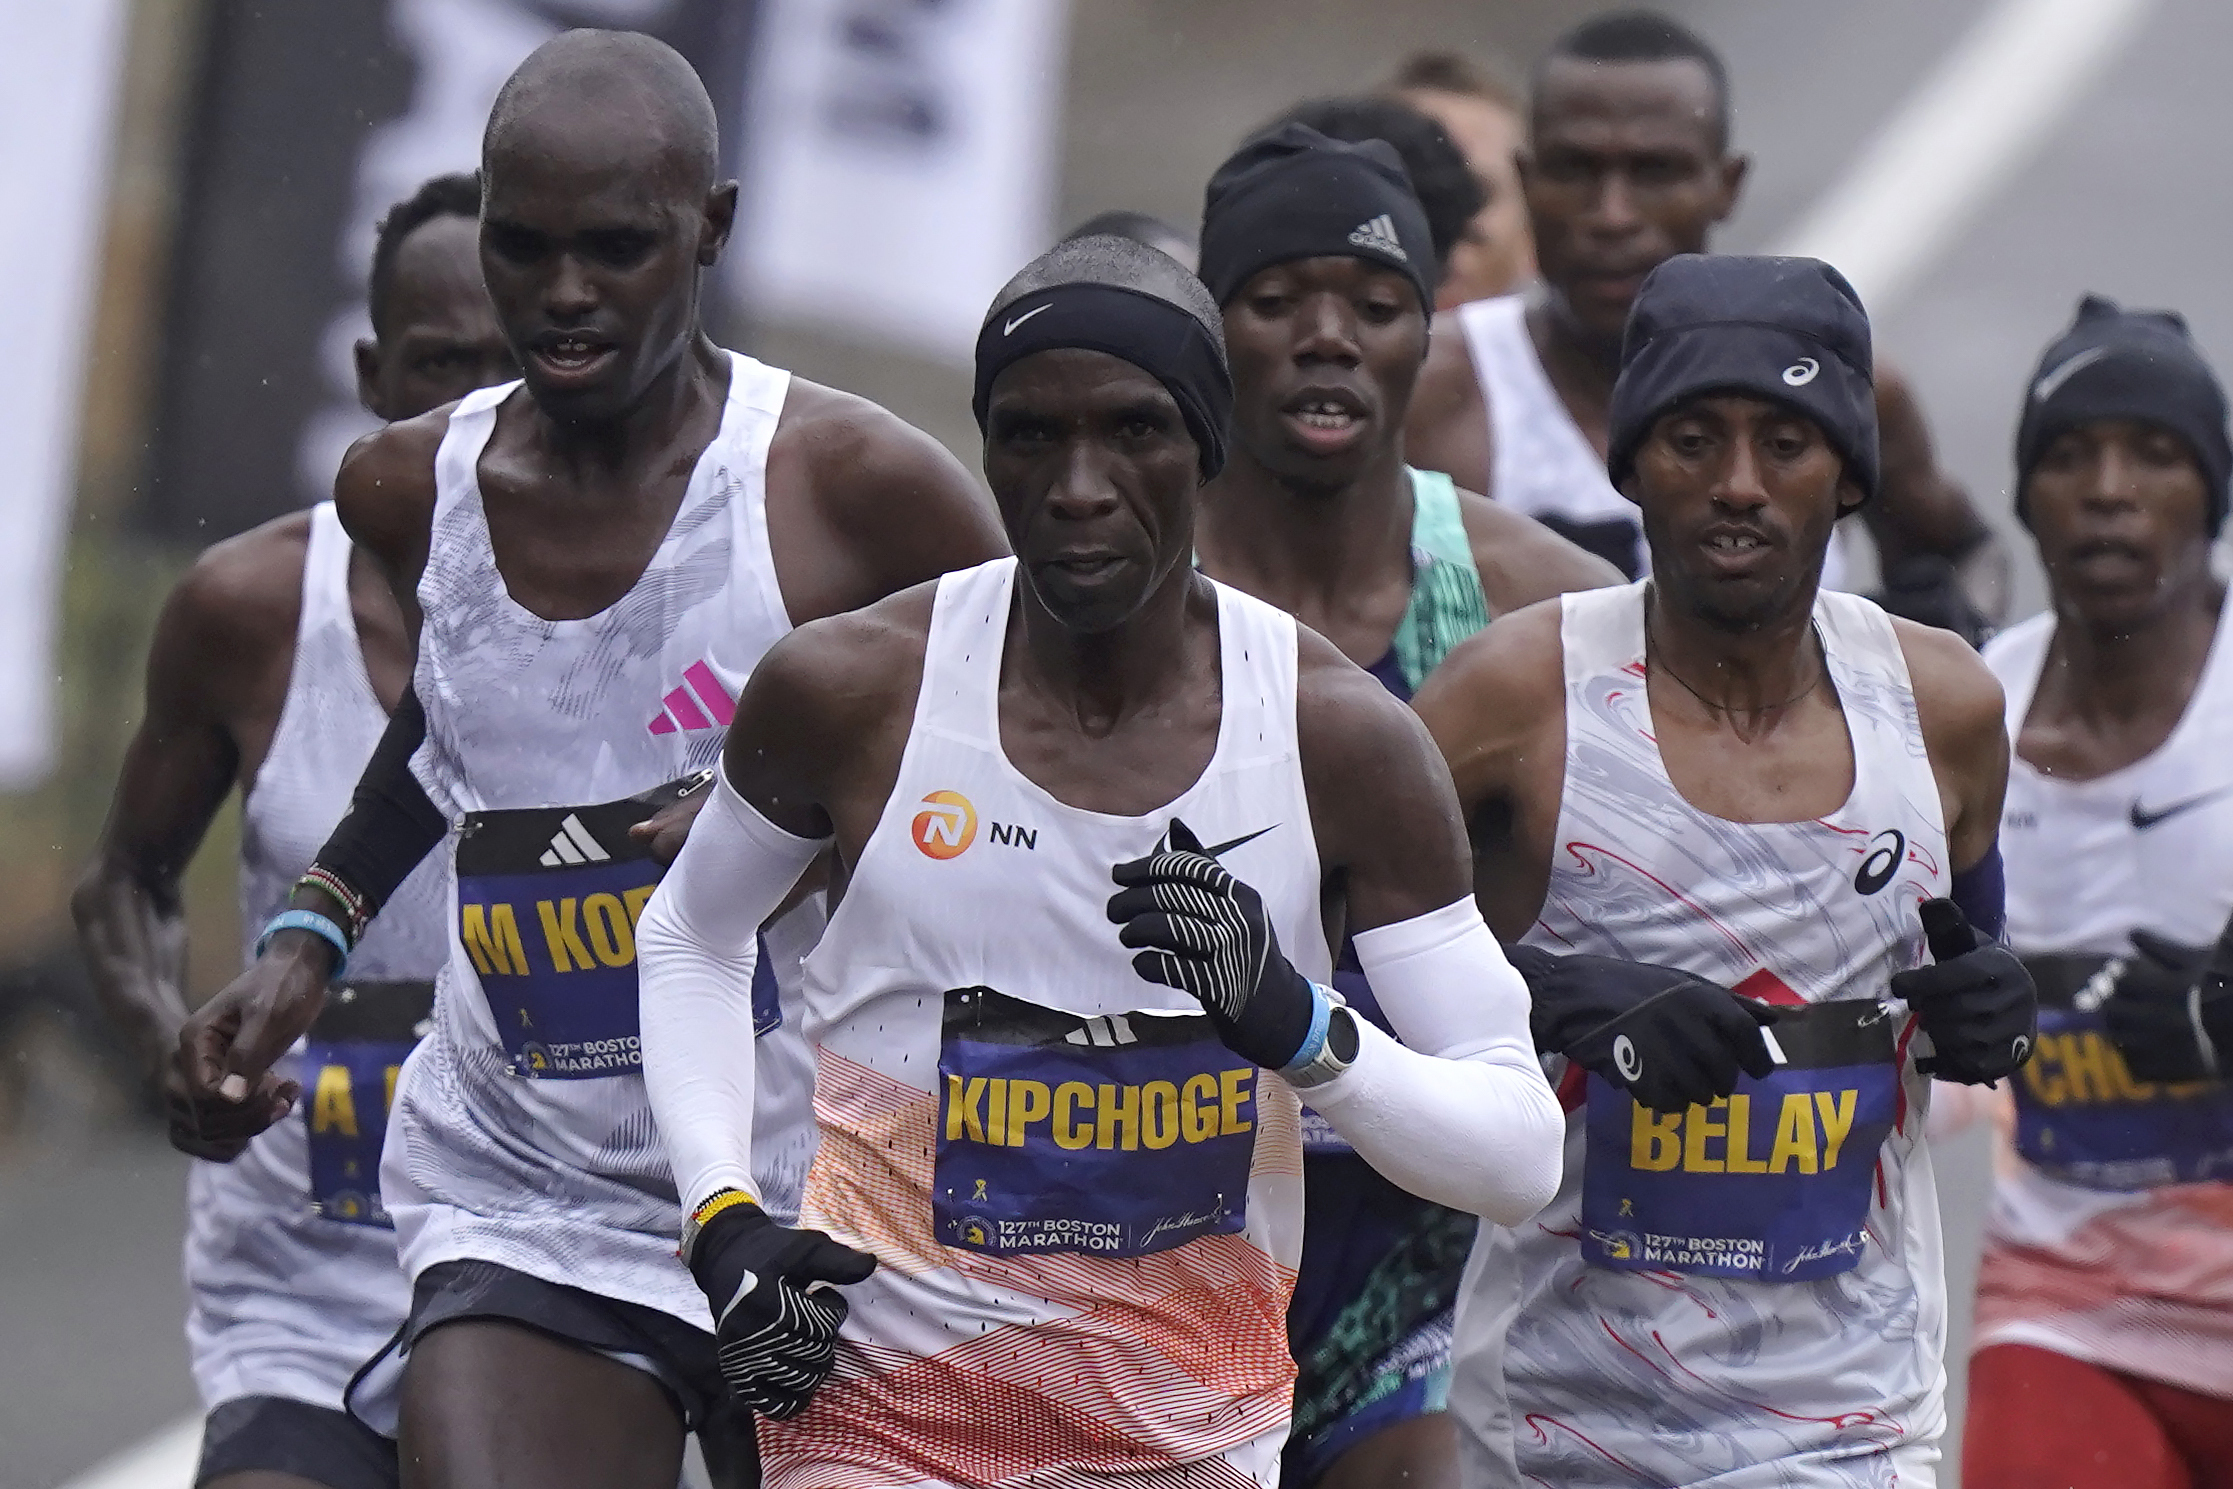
(385,490)
(1521,560)
(239,603)
(848,671)
(1958,700)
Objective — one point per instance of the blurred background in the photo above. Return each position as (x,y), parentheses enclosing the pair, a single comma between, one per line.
(190,187)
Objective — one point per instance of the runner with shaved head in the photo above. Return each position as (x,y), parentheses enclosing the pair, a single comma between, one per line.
(591,561)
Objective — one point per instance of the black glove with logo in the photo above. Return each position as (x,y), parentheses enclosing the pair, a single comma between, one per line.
(1667,1038)
(1976,1001)
(1206,934)
(2171,1009)
(775,1331)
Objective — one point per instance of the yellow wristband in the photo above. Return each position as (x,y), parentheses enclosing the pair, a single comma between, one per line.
(715,1203)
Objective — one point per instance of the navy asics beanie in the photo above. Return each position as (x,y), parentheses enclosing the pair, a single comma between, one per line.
(1117,295)
(1790,330)
(2114,363)
(1291,193)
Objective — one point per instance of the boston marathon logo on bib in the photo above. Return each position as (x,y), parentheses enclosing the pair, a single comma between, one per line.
(2082,1118)
(351,1058)
(1772,1184)
(1118,1135)
(547,901)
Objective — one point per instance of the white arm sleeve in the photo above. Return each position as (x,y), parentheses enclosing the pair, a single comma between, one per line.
(1459,1113)
(695,949)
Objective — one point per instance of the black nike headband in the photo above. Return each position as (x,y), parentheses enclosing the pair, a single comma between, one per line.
(1148,311)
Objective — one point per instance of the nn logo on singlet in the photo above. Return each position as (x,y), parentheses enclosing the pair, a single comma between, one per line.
(948,825)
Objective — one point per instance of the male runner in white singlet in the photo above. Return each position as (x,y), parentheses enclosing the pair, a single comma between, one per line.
(1627,163)
(1723,770)
(1316,512)
(1061,1181)
(2104,1331)
(274,666)
(593,561)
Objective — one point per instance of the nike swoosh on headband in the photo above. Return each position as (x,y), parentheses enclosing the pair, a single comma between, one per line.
(2143,819)
(2051,384)
(1010,328)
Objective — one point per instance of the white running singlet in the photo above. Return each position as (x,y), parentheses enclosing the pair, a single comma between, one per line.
(1541,462)
(1749,1294)
(522,1133)
(281,1299)
(2111,1234)
(1086,1211)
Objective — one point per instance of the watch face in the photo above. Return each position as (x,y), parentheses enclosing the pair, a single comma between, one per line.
(1341,1036)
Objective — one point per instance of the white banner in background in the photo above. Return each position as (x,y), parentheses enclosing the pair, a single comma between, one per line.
(64,65)
(899,162)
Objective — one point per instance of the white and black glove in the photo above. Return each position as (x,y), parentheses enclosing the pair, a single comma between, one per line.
(1206,934)
(2170,1011)
(1975,1000)
(1668,1038)
(775,1329)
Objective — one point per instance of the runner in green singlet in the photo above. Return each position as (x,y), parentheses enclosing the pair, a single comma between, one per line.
(1320,258)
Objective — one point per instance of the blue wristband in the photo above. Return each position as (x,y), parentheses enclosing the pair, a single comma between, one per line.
(318,925)
(1321,1018)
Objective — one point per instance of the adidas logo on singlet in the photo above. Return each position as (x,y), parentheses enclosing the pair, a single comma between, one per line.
(700,703)
(1107,1031)
(1380,235)
(572,845)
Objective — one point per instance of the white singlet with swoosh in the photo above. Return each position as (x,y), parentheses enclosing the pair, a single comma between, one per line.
(2138,1280)
(1623,1378)
(566,1179)
(282,1301)
(1008,1337)
(1541,462)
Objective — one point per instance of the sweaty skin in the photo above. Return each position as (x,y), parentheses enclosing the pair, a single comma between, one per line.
(600,213)
(218,669)
(1313,509)
(1623,170)
(2121,517)
(1734,627)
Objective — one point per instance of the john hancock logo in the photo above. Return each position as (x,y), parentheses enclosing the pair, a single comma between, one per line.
(947,827)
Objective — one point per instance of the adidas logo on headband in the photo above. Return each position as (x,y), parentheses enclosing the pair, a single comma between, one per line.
(1380,235)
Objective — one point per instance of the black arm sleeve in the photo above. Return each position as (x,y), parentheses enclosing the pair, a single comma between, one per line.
(391,824)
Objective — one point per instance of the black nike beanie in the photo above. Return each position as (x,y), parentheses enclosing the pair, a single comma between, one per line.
(1789,330)
(2114,363)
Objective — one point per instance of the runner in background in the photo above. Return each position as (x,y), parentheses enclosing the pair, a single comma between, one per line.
(1486,120)
(1628,162)
(1317,513)
(273,668)
(2104,1327)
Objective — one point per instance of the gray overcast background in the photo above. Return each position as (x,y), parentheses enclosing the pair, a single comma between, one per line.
(2124,195)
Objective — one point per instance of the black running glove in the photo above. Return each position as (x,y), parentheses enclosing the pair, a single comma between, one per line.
(775,1332)
(1927,588)
(1976,1001)
(1206,934)
(1667,1038)
(2170,1010)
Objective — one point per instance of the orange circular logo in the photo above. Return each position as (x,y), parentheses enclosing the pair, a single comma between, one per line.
(948,827)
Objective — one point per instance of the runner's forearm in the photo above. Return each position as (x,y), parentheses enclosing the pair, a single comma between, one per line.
(696,946)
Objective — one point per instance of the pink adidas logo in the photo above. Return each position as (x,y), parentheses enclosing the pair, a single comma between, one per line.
(700,703)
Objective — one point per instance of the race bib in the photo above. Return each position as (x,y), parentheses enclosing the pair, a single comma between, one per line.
(1772,1184)
(547,904)
(1119,1135)
(350,1060)
(2082,1118)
